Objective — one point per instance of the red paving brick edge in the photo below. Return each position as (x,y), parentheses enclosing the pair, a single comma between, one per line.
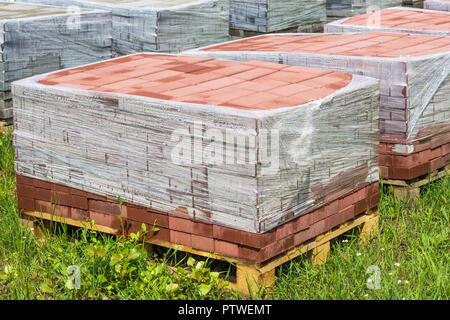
(176,227)
(428,157)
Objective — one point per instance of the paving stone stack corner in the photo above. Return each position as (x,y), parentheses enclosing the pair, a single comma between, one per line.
(413,3)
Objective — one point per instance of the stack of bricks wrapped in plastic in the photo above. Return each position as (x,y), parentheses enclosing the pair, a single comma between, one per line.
(414,85)
(37,39)
(440,5)
(401,20)
(348,8)
(273,15)
(160,25)
(213,150)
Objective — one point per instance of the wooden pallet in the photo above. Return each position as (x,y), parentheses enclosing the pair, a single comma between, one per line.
(249,276)
(406,190)
(308,28)
(5,125)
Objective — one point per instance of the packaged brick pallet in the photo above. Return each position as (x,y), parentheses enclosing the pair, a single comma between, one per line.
(160,25)
(440,5)
(272,15)
(349,8)
(37,39)
(209,148)
(414,85)
(399,19)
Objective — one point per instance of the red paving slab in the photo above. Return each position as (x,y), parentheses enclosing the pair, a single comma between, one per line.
(249,85)
(373,44)
(405,19)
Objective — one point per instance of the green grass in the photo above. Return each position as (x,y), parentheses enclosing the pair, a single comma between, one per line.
(410,251)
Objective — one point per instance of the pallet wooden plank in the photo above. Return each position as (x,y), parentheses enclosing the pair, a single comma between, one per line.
(369,228)
(320,254)
(250,277)
(303,248)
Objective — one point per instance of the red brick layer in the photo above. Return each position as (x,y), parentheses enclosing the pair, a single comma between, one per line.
(244,85)
(410,166)
(177,227)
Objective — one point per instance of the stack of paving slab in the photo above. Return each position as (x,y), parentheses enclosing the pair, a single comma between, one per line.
(414,84)
(349,8)
(273,15)
(214,150)
(400,19)
(441,5)
(160,25)
(37,39)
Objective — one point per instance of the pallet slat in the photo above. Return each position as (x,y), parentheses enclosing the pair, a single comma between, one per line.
(249,276)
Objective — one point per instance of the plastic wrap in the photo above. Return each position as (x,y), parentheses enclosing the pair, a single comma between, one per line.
(160,25)
(38,39)
(398,19)
(295,158)
(414,89)
(349,8)
(441,5)
(272,15)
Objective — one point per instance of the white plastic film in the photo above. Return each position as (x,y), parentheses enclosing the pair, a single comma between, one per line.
(36,39)
(426,100)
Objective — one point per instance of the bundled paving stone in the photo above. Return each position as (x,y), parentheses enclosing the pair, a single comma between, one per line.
(349,8)
(177,227)
(441,5)
(403,20)
(273,15)
(160,25)
(414,84)
(37,39)
(212,141)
